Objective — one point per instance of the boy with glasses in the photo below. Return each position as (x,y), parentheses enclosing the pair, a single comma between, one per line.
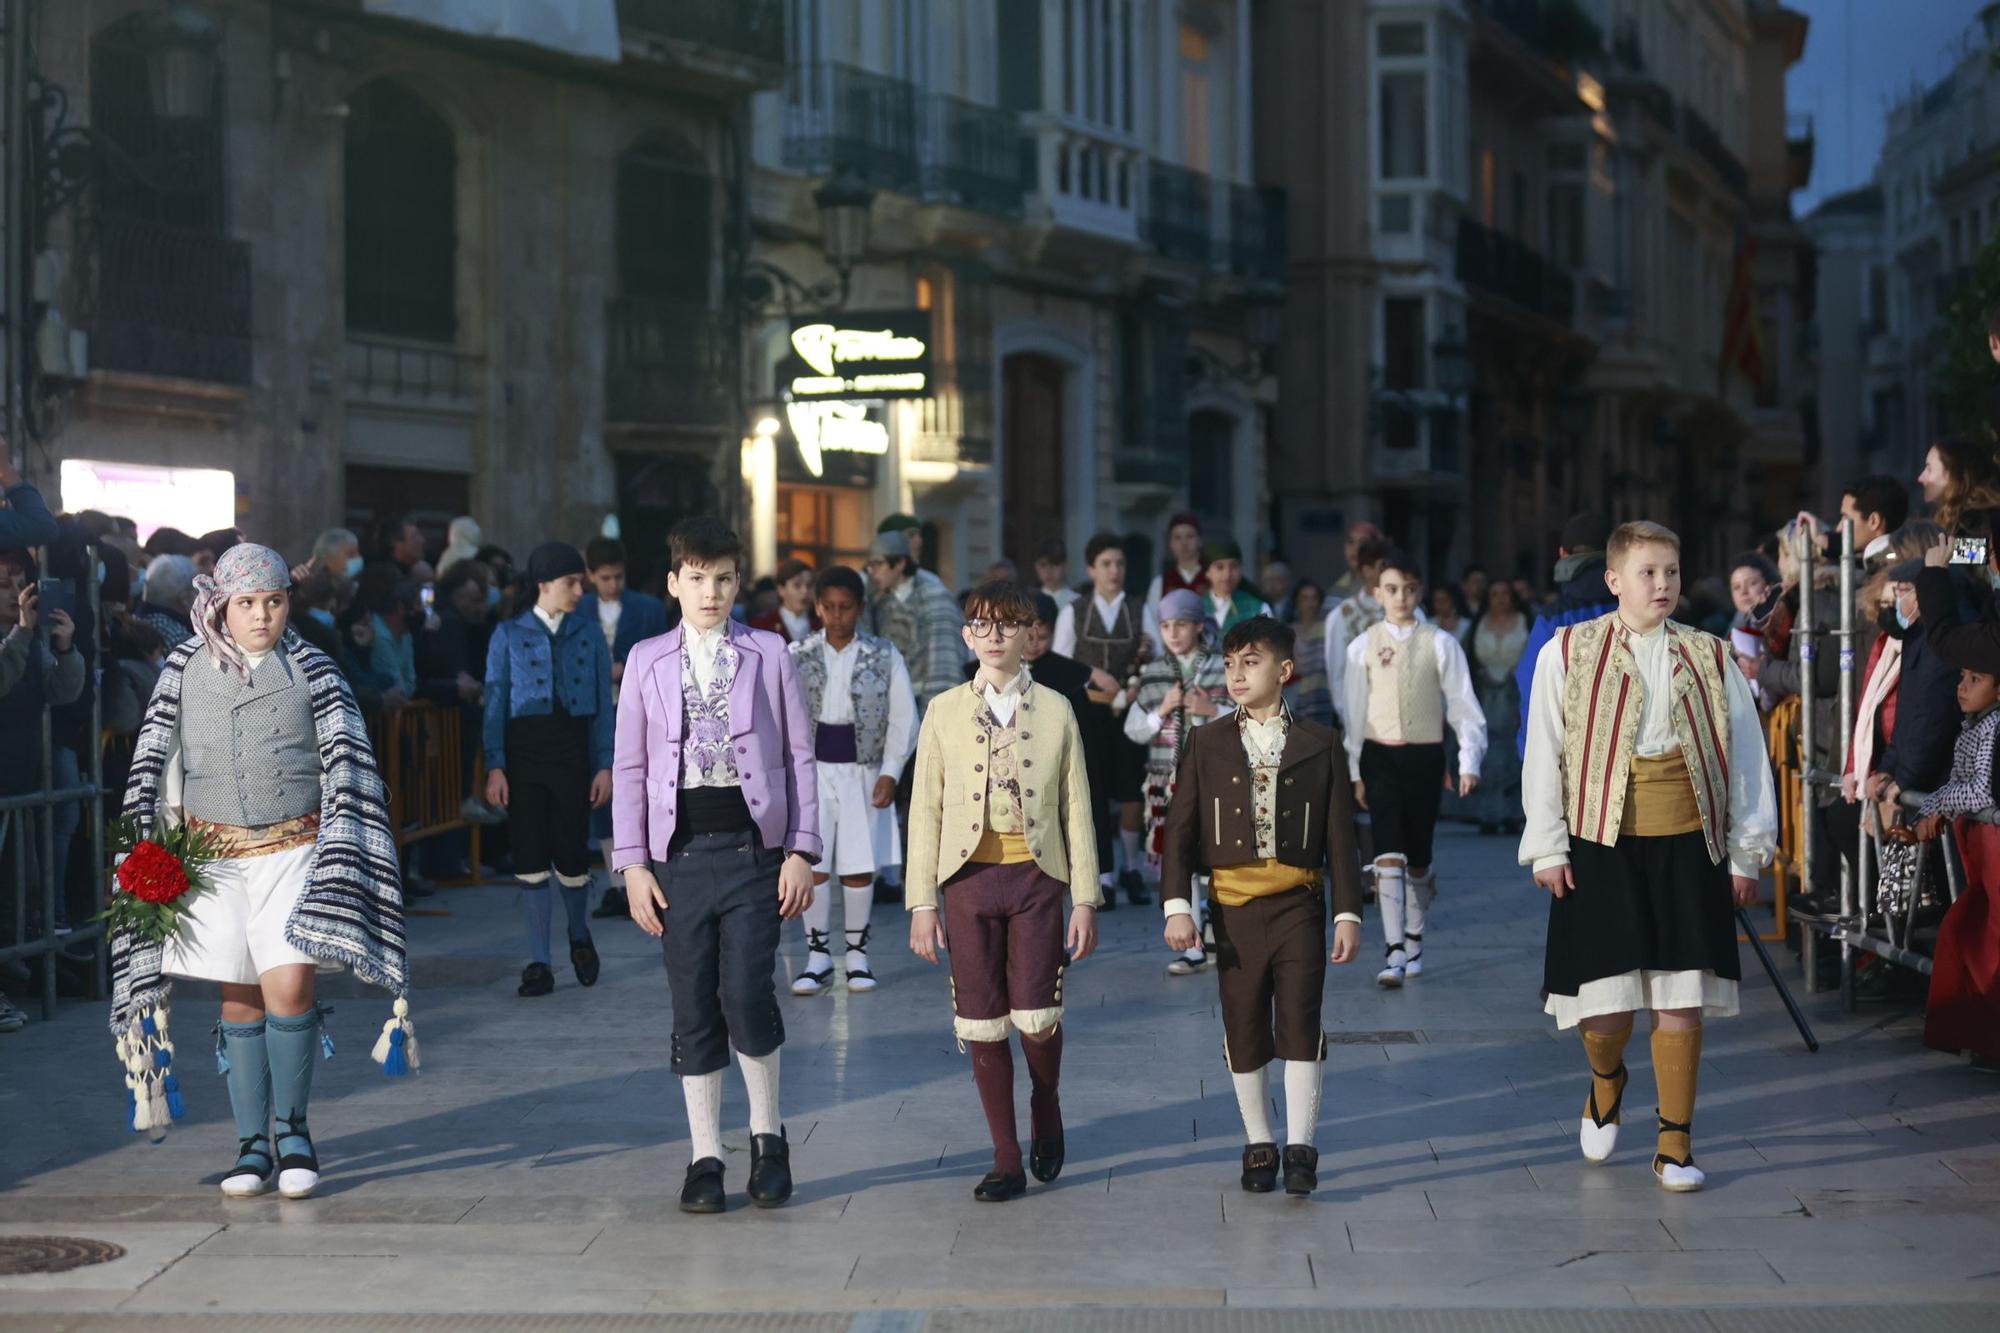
(1000,829)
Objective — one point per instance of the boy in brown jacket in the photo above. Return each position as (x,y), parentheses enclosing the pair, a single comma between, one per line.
(1001,829)
(1262,803)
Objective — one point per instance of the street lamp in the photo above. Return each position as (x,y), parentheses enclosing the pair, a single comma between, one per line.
(181,64)
(844,204)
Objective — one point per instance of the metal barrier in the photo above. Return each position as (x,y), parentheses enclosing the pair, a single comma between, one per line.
(28,821)
(1781,741)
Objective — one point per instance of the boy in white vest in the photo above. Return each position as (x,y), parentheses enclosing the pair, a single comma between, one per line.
(1404,680)
(1649,808)
(864,722)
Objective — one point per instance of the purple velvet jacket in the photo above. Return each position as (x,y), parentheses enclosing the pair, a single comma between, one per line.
(767,719)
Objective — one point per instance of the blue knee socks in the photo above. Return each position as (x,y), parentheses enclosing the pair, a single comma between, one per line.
(576,906)
(247,1070)
(535,916)
(293,1045)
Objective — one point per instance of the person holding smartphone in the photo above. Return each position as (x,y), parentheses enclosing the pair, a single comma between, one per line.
(39,665)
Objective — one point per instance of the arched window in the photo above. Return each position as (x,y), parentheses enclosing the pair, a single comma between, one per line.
(402,216)
(167,172)
(665,198)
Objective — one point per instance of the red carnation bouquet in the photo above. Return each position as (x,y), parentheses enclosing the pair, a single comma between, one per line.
(156,876)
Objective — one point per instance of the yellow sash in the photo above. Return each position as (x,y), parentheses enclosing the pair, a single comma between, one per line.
(1659,798)
(1234,886)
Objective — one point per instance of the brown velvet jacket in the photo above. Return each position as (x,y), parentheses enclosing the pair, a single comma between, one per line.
(1209,821)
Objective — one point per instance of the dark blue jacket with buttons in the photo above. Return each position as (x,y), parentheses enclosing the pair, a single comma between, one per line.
(529,670)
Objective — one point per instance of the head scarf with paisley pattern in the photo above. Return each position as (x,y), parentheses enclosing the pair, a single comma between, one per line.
(246,568)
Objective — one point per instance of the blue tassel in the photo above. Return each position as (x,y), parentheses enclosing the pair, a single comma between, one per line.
(221,1050)
(131,1111)
(147,1026)
(398,1063)
(163,1057)
(325,1045)
(175,1106)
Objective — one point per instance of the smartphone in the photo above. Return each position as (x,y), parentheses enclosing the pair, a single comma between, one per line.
(1968,550)
(55,595)
(429,593)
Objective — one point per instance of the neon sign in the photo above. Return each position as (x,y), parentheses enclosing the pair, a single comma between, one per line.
(834,427)
(879,354)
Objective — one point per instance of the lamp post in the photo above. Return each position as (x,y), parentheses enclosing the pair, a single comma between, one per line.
(845,204)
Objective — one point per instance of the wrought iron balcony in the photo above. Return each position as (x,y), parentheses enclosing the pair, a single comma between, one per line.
(1257,246)
(972,155)
(171,302)
(1497,263)
(839,116)
(748,29)
(1708,146)
(664,363)
(1178,213)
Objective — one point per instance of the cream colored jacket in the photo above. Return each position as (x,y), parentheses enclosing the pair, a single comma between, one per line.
(949,793)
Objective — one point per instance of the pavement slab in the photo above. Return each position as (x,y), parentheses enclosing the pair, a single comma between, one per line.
(528,1177)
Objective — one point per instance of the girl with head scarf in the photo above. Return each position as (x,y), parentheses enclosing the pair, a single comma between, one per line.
(253,738)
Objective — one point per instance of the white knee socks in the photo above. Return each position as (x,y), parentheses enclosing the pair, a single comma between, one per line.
(1419,891)
(855,905)
(760,1080)
(703,1093)
(1253,1102)
(1302,1083)
(1389,898)
(819,917)
(1128,843)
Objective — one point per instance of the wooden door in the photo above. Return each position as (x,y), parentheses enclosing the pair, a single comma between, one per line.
(1031,481)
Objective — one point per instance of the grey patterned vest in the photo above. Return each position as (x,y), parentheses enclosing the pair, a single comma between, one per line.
(871,691)
(250,751)
(1111,651)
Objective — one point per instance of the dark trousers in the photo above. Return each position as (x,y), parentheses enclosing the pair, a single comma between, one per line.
(721,944)
(548,794)
(1004,925)
(1836,832)
(1270,969)
(1405,786)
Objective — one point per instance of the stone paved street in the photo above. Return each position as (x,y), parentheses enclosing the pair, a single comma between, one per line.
(532,1168)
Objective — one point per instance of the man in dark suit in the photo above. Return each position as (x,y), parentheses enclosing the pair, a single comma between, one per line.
(627,617)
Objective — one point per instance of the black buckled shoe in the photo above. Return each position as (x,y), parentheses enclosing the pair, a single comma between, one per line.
(1301,1169)
(612,905)
(536,979)
(1260,1168)
(1045,1158)
(998,1187)
(770,1169)
(702,1193)
(583,957)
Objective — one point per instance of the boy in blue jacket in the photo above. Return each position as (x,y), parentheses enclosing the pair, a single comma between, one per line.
(549,722)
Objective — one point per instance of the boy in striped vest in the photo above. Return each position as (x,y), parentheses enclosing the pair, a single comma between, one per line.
(1649,808)
(1404,679)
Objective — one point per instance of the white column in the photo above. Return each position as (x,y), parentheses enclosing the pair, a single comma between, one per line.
(760,483)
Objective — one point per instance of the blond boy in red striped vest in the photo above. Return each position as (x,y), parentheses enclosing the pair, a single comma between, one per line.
(1649,808)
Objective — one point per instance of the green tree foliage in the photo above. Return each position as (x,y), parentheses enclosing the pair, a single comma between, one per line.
(1966,374)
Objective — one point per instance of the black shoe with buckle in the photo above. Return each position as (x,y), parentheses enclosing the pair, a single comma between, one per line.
(702,1193)
(612,905)
(1045,1158)
(998,1187)
(583,957)
(536,979)
(1260,1168)
(770,1169)
(1301,1169)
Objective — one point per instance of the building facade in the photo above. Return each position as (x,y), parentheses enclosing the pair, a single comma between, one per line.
(1066,189)
(1573,281)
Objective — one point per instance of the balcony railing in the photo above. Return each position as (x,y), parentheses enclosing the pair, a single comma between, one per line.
(1708,146)
(172,302)
(1086,178)
(664,363)
(1179,213)
(754,29)
(1497,263)
(972,155)
(1257,243)
(839,116)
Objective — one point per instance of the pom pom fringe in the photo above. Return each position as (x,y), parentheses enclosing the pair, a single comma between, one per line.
(396,1049)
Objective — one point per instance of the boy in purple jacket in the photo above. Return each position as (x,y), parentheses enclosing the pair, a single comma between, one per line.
(715,825)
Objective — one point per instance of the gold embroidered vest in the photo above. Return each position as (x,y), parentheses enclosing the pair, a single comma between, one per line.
(1601,705)
(1405,692)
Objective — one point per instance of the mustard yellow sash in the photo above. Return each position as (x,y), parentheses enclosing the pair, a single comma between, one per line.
(1659,798)
(1234,886)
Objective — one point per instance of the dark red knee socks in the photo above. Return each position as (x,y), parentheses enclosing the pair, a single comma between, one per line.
(1044,1056)
(993,1075)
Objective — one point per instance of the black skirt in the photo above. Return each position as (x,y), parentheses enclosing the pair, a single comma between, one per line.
(1657,904)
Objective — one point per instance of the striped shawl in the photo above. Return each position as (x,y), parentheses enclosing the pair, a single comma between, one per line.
(352,909)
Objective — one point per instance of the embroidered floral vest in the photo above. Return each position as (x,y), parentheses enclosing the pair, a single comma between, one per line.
(1601,706)
(872,674)
(707,759)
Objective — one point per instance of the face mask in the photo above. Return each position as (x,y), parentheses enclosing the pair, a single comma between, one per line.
(492,597)
(322,615)
(354,566)
(1890,621)
(1902,621)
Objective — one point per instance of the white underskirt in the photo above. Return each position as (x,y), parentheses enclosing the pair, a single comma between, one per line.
(1647,989)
